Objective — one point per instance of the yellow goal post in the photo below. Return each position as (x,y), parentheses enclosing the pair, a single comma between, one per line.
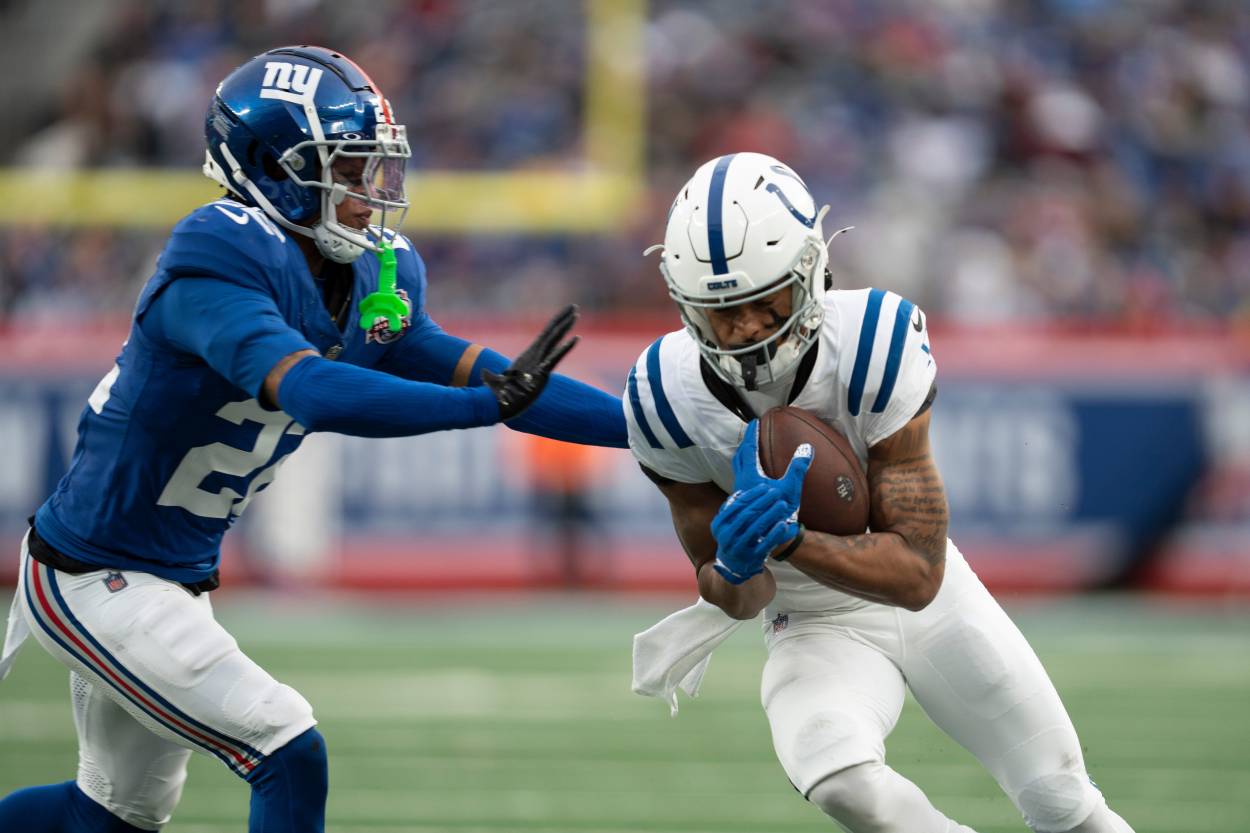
(591,193)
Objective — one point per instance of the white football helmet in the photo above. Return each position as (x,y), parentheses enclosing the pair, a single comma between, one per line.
(744,227)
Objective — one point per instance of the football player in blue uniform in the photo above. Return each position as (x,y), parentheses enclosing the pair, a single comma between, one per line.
(270,315)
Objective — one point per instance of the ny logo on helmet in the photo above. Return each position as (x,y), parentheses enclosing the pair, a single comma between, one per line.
(283,78)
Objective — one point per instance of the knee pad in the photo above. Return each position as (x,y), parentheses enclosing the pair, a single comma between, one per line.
(1058,803)
(812,746)
(853,796)
(269,711)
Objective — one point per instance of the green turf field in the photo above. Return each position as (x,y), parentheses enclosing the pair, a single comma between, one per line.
(484,717)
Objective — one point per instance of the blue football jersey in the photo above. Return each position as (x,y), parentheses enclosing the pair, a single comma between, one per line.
(174,444)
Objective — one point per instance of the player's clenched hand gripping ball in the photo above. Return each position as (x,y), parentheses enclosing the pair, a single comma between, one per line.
(519,386)
(761,514)
(747,528)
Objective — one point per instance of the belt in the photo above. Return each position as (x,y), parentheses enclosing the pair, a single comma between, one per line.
(43,552)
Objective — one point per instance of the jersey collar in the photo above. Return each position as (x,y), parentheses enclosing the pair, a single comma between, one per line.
(729,396)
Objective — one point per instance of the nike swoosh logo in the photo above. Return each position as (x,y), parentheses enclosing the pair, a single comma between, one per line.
(917,321)
(241,219)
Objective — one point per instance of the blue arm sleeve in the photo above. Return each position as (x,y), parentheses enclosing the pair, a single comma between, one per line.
(322,395)
(238,332)
(567,410)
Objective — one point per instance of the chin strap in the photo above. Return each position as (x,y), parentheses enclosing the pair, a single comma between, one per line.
(385,304)
(749,363)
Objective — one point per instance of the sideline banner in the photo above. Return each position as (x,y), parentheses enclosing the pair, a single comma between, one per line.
(1069,460)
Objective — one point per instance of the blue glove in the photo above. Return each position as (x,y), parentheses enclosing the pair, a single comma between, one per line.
(761,514)
(747,528)
(749,473)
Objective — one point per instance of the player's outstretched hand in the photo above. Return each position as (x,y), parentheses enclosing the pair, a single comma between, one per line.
(518,387)
(749,526)
(748,472)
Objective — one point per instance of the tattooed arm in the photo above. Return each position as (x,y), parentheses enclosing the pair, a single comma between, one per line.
(902,560)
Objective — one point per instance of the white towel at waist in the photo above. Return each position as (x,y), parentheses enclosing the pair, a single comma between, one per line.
(17,631)
(674,652)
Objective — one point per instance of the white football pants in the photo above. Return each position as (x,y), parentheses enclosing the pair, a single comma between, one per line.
(153,676)
(833,688)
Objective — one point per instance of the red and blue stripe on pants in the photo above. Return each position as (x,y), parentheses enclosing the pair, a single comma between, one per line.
(50,610)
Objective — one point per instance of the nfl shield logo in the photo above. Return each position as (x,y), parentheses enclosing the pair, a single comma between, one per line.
(780,623)
(115,581)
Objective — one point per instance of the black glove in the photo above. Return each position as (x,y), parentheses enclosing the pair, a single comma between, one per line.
(518,387)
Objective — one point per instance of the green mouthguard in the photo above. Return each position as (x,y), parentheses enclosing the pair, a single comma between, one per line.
(385,303)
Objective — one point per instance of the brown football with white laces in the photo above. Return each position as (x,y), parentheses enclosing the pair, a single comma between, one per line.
(835,491)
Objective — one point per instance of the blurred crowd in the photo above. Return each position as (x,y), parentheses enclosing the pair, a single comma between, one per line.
(1001,160)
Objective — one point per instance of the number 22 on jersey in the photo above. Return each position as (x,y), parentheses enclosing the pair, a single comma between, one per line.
(183,489)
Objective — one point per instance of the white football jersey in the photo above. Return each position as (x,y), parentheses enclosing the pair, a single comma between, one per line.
(872,373)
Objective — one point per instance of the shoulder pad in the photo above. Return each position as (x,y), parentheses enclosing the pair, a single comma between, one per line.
(881,329)
(227,240)
(649,408)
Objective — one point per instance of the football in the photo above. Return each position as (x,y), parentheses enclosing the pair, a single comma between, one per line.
(835,491)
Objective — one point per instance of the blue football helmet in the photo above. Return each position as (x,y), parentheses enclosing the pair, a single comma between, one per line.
(276,128)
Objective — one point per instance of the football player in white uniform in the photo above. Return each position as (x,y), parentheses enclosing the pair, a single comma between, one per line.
(852,621)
